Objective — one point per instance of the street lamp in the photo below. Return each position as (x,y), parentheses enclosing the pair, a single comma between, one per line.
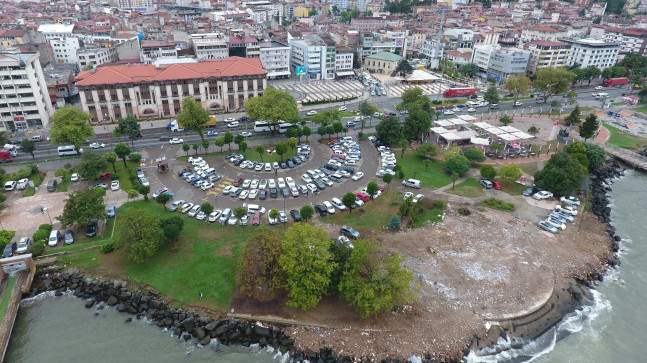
(50,218)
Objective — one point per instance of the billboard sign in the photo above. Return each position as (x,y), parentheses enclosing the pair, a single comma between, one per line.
(301,71)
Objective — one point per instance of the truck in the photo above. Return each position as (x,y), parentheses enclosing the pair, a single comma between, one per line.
(5,156)
(459,92)
(615,81)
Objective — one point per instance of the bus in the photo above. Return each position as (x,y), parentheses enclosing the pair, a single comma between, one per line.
(67,150)
(283,127)
(262,126)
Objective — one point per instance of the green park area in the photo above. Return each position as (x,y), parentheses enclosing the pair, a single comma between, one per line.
(623,139)
(6,296)
(429,171)
(469,188)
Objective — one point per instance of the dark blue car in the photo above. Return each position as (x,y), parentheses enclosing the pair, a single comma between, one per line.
(112,211)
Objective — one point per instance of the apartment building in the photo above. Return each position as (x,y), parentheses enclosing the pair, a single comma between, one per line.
(244,46)
(632,40)
(12,38)
(309,52)
(275,58)
(153,50)
(545,53)
(368,23)
(111,92)
(499,63)
(24,99)
(592,52)
(344,62)
(208,46)
(96,55)
(542,32)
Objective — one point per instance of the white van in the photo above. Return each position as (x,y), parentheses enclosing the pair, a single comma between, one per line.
(253,208)
(209,172)
(36,138)
(413,183)
(53,238)
(472,104)
(347,138)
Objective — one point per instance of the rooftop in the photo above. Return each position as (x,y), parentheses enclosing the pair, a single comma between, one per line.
(385,56)
(56,28)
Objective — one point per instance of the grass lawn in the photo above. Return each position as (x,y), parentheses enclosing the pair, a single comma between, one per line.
(124,173)
(250,154)
(621,139)
(77,245)
(6,296)
(65,184)
(529,168)
(469,188)
(86,260)
(413,166)
(433,215)
(513,188)
(37,178)
(374,214)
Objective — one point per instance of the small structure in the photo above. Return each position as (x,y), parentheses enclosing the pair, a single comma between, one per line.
(162,165)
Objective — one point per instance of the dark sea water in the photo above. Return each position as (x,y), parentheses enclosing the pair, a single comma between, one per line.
(612,329)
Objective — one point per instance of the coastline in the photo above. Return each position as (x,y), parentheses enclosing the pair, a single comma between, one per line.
(565,298)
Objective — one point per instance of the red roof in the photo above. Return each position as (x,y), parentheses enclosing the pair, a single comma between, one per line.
(232,66)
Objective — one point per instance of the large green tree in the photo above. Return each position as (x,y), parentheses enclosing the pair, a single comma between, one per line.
(374,280)
(306,212)
(111,157)
(491,95)
(417,123)
(552,81)
(562,174)
(589,127)
(510,173)
(458,164)
(519,85)
(403,68)
(28,147)
(469,69)
(139,234)
(122,151)
(128,126)
(281,148)
(91,165)
(596,155)
(193,116)
(259,273)
(574,117)
(474,154)
(274,106)
(367,110)
(69,126)
(413,99)
(81,207)
(306,263)
(389,130)
(591,72)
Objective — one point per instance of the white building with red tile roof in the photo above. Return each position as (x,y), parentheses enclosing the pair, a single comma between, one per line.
(113,92)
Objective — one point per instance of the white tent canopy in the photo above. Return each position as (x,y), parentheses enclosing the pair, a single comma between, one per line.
(479,141)
(467,117)
(443,123)
(508,137)
(440,130)
(522,135)
(509,129)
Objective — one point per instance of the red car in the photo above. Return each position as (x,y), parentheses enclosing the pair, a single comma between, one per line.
(363,197)
(338,156)
(496,185)
(449,107)
(256,219)
(239,182)
(332,141)
(381,188)
(440,107)
(105,176)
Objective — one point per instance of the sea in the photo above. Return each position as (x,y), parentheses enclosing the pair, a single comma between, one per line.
(612,328)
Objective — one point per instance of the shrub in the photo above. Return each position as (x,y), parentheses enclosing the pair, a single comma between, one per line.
(464,211)
(498,204)
(40,235)
(132,178)
(114,176)
(46,227)
(401,175)
(37,249)
(7,234)
(440,204)
(3,197)
(67,165)
(394,223)
(488,172)
(33,168)
(107,247)
(135,157)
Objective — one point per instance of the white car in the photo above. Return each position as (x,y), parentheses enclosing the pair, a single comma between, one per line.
(230,119)
(338,204)
(262,184)
(258,167)
(281,182)
(517,104)
(567,210)
(243,195)
(201,216)
(96,145)
(187,207)
(329,207)
(227,189)
(543,195)
(22,184)
(407,195)
(195,159)
(75,177)
(306,178)
(214,215)
(10,185)
(570,200)
(232,125)
(254,184)
(114,185)
(283,218)
(175,140)
(598,87)
(417,198)
(194,211)
(449,112)
(471,109)
(268,167)
(244,220)
(275,165)
(342,108)
(272,183)
(252,194)
(311,113)
(270,220)
(175,205)
(359,202)
(312,187)
(246,134)
(246,184)
(206,185)
(232,220)
(289,181)
(358,176)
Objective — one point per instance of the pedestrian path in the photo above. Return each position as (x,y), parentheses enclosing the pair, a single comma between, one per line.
(322,91)
(427,89)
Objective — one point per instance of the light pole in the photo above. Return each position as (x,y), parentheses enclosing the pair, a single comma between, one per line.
(50,218)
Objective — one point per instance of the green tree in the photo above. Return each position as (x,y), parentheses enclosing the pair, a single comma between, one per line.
(291,132)
(337,127)
(414,100)
(348,200)
(69,126)
(614,72)
(274,106)
(469,69)
(292,142)
(595,154)
(81,207)
(552,81)
(394,224)
(220,142)
(259,275)
(306,212)
(488,172)
(562,174)
(306,131)
(372,189)
(321,130)
(260,150)
(240,212)
(163,199)
(139,234)
(274,213)
(143,190)
(135,157)
(122,152)
(375,281)
(387,178)
(427,149)
(450,152)
(330,130)
(573,117)
(195,148)
(506,120)
(205,145)
(510,173)
(533,130)
(474,154)
(306,264)
(132,193)
(186,148)
(417,123)
(238,139)
(281,148)
(128,126)
(591,72)
(403,68)
(491,96)
(172,227)
(519,85)
(28,147)
(243,147)
(458,164)
(206,207)
(193,116)
(91,165)
(389,130)
(455,176)
(229,138)
(111,157)
(589,127)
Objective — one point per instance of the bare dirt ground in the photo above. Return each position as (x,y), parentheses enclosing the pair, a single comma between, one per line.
(483,267)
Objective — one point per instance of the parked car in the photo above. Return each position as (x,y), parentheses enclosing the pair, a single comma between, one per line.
(547,226)
(349,232)
(256,219)
(10,249)
(69,237)
(358,176)
(323,211)
(361,196)
(556,223)
(296,216)
(23,245)
(530,191)
(75,177)
(329,207)
(496,184)
(570,200)
(213,216)
(542,195)
(175,205)
(112,211)
(565,209)
(91,228)
(486,183)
